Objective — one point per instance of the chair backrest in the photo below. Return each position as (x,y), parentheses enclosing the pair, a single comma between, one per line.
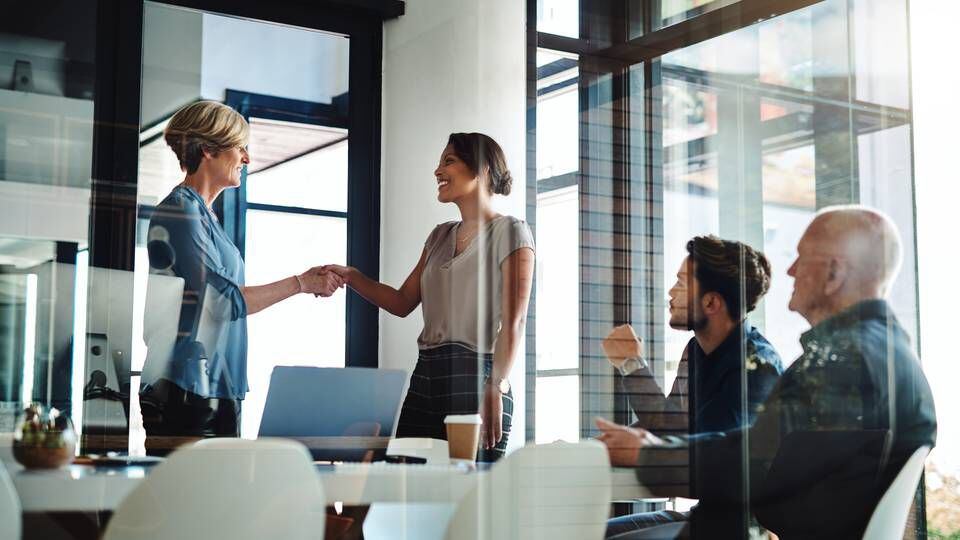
(9,508)
(553,491)
(226,488)
(6,450)
(890,516)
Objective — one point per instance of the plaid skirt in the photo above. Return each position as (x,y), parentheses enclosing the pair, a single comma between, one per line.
(449,379)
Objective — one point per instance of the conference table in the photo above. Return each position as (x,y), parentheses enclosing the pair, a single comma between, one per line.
(85,488)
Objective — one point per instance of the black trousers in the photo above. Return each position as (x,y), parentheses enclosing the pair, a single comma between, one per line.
(449,379)
(172,415)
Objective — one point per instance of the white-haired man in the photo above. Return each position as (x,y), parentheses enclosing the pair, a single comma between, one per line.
(841,421)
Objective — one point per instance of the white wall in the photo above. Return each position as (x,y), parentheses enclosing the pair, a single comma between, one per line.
(449,65)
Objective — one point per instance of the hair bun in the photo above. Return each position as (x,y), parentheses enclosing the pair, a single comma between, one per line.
(503,183)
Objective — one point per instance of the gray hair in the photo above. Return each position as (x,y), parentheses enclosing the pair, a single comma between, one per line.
(868,238)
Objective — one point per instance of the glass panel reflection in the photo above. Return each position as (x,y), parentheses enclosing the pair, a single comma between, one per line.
(46,151)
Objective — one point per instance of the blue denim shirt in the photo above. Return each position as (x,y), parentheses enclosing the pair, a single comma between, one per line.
(186,240)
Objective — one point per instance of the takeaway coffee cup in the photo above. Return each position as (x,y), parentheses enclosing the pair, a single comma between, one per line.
(463,435)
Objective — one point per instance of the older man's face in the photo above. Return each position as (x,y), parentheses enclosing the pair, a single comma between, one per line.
(809,272)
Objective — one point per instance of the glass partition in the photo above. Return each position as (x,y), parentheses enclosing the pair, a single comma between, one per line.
(743,135)
(46,149)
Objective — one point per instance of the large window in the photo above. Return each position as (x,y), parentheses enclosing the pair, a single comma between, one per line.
(557,357)
(738,119)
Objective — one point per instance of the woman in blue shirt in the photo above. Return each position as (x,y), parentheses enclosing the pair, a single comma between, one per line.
(196,391)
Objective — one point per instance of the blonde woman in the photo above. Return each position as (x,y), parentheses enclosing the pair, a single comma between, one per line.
(198,390)
(473,281)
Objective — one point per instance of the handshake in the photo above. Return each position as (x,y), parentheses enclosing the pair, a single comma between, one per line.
(324,280)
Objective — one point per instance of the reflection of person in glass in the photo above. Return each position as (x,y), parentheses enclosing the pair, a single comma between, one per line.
(839,424)
(197,390)
(473,279)
(728,368)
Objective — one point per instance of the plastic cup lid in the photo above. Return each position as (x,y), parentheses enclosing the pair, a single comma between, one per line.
(462,419)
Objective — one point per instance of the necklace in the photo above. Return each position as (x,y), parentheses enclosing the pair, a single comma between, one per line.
(461,242)
(465,240)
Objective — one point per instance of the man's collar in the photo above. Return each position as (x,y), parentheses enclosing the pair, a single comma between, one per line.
(730,346)
(861,311)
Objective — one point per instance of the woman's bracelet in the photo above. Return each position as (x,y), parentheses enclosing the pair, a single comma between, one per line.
(299,281)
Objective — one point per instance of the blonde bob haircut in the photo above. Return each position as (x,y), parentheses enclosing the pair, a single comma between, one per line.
(204,126)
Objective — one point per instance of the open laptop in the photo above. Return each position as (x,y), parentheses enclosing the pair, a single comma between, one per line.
(340,414)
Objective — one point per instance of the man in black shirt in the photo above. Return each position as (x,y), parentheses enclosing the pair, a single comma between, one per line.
(841,421)
(728,368)
(718,284)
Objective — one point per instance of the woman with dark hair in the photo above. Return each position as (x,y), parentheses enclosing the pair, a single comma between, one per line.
(473,280)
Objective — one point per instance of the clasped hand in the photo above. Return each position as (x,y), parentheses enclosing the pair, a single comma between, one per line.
(320,282)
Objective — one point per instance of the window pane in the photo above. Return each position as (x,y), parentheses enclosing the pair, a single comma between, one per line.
(557,134)
(672,8)
(297,165)
(674,11)
(744,130)
(558,300)
(302,330)
(789,195)
(561,17)
(558,409)
(690,202)
(932,28)
(785,49)
(558,141)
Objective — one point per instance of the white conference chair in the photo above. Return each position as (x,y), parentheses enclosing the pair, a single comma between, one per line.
(890,516)
(10,515)
(6,450)
(226,488)
(554,491)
